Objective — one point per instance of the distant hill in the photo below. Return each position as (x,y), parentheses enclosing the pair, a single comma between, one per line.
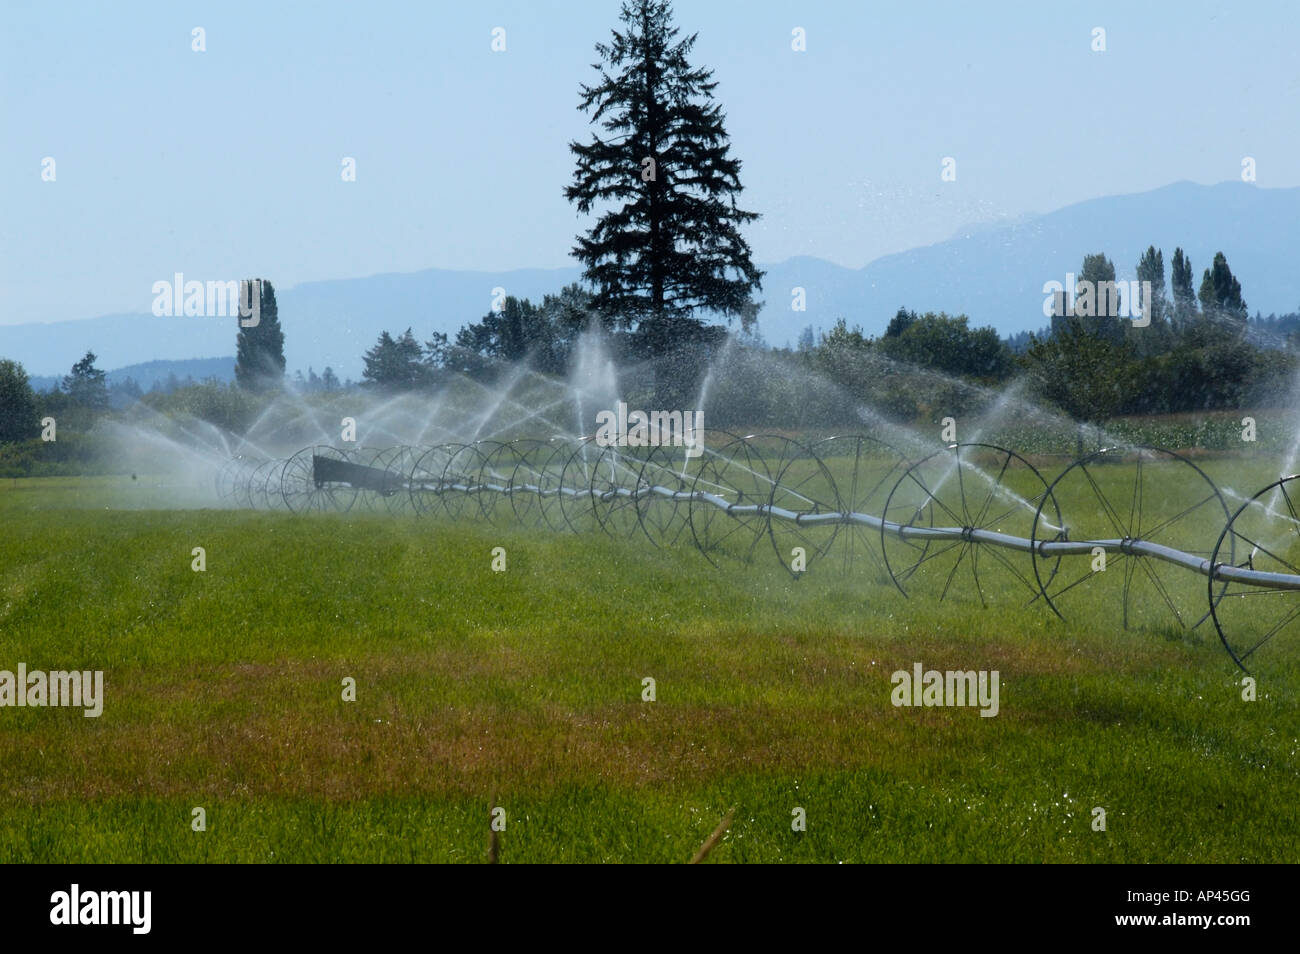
(150,372)
(200,369)
(996,274)
(993,272)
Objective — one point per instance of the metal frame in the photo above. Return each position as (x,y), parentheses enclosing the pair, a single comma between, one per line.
(741,489)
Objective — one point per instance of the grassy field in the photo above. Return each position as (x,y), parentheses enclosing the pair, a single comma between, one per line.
(523,689)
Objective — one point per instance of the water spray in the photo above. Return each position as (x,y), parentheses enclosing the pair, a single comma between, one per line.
(929,521)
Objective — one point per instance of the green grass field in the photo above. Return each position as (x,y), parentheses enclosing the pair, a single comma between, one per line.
(523,689)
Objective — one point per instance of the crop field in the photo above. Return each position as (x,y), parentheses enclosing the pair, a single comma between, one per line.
(520,692)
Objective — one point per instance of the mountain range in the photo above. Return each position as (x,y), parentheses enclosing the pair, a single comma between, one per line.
(149,373)
(992,272)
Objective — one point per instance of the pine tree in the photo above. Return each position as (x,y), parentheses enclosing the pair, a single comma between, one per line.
(395,364)
(259,349)
(86,385)
(513,329)
(901,321)
(670,246)
(562,320)
(437,352)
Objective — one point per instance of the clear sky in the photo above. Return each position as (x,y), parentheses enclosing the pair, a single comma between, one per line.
(226,163)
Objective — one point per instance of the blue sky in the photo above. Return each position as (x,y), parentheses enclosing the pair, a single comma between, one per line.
(226,163)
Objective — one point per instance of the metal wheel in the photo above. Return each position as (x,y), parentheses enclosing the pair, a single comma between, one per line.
(666,479)
(304,490)
(616,490)
(397,461)
(574,488)
(527,479)
(228,478)
(496,471)
(1118,496)
(264,486)
(865,469)
(460,482)
(1262,535)
(550,471)
(424,485)
(246,492)
(927,537)
(807,513)
(729,500)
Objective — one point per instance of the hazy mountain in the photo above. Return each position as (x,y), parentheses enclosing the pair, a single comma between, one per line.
(996,274)
(120,342)
(1002,221)
(151,372)
(993,272)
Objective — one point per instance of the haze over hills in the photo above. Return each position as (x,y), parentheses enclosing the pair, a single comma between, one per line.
(993,272)
(149,373)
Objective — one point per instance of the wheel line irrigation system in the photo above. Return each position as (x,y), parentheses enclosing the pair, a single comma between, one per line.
(732,492)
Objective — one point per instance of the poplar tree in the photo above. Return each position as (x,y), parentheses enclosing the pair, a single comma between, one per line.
(259,349)
(1220,296)
(1180,282)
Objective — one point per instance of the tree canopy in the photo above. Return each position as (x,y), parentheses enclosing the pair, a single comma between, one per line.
(85,386)
(668,242)
(18,417)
